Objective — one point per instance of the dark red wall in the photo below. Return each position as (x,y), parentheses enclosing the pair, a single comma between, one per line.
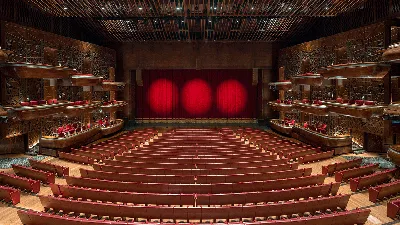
(186,93)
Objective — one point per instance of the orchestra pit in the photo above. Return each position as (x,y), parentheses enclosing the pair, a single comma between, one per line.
(199,112)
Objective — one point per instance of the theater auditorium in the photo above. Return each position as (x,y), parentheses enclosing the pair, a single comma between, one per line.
(199,112)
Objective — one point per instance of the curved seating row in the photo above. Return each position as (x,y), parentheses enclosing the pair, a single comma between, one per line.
(182,164)
(201,179)
(200,213)
(76,158)
(91,154)
(382,191)
(344,175)
(197,160)
(193,198)
(316,157)
(57,169)
(332,168)
(174,165)
(20,182)
(393,208)
(360,183)
(340,218)
(43,176)
(10,195)
(193,154)
(194,171)
(266,185)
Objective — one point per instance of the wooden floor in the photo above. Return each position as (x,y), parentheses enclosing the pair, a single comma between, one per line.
(8,214)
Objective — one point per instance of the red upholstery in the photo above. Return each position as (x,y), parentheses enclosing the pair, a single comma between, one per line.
(369,103)
(10,195)
(24,103)
(359,102)
(344,175)
(160,171)
(370,180)
(45,177)
(93,155)
(200,179)
(75,158)
(33,103)
(298,154)
(20,182)
(341,218)
(232,212)
(330,169)
(190,188)
(384,190)
(59,170)
(339,100)
(393,208)
(316,157)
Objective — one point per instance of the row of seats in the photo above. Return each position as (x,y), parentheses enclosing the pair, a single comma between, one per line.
(199,213)
(266,185)
(21,183)
(194,171)
(382,191)
(10,195)
(245,194)
(201,179)
(191,165)
(213,168)
(61,171)
(39,102)
(332,168)
(43,176)
(357,216)
(344,175)
(360,183)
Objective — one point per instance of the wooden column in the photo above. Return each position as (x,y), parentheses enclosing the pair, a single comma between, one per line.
(281,92)
(50,89)
(87,95)
(111,72)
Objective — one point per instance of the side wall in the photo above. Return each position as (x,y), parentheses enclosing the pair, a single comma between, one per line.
(27,45)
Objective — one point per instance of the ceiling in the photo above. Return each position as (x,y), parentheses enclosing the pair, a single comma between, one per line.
(197,20)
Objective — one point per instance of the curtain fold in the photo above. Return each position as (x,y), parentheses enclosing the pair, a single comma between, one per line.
(196,94)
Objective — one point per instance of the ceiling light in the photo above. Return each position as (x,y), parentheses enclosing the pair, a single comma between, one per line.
(252,8)
(290,8)
(209,21)
(103,8)
(215,8)
(183,21)
(179,8)
(140,8)
(65,8)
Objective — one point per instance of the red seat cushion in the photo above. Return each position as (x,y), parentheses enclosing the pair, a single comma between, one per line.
(24,103)
(369,103)
(360,102)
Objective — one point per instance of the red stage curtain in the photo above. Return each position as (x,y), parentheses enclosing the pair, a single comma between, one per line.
(196,94)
